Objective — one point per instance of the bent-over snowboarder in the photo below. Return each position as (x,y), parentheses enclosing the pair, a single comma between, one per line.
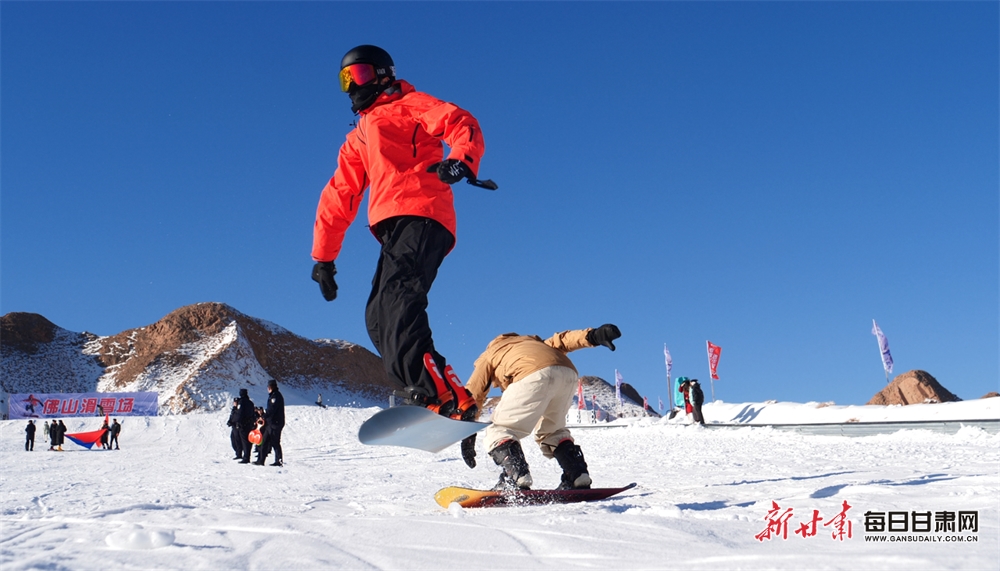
(538,381)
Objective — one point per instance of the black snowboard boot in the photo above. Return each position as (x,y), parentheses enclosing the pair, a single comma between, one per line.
(510,457)
(570,458)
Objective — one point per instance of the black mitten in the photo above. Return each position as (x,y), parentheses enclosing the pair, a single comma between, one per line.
(604,335)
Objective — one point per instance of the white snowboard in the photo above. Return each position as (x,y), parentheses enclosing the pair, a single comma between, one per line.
(415,427)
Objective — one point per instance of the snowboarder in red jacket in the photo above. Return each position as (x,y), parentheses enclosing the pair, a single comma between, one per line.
(396,151)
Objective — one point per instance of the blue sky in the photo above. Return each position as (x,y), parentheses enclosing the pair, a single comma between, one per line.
(767,176)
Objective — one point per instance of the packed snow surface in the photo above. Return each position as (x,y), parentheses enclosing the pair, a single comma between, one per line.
(173,498)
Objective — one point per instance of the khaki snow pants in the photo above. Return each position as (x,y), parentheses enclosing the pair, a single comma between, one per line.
(535,404)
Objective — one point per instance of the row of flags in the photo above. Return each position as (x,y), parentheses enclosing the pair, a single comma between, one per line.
(714,355)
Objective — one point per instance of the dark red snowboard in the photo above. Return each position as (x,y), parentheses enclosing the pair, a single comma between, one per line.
(468,498)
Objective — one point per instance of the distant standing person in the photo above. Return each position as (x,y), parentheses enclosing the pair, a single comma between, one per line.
(274,422)
(697,399)
(53,435)
(693,398)
(45,433)
(115,430)
(62,435)
(248,419)
(234,429)
(105,434)
(29,435)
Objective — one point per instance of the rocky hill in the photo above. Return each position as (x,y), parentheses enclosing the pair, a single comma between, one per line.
(197,358)
(913,387)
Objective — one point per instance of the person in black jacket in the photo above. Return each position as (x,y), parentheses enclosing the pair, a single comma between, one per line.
(53,433)
(274,422)
(696,398)
(105,434)
(29,434)
(116,429)
(62,435)
(234,429)
(246,423)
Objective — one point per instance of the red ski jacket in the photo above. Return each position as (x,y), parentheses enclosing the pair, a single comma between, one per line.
(389,150)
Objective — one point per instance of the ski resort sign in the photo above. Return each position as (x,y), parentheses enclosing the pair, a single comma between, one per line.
(55,405)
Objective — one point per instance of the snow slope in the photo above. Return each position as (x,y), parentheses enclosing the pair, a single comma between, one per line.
(815,413)
(173,498)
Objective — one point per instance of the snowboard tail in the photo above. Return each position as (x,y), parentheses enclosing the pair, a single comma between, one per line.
(469,498)
(415,427)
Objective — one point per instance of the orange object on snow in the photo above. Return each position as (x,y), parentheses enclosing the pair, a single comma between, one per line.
(255,437)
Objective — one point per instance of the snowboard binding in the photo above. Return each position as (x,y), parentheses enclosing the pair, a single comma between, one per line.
(453,400)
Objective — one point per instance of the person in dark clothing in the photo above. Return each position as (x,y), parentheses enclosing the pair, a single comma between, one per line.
(53,433)
(234,429)
(62,435)
(115,430)
(693,399)
(104,435)
(29,434)
(274,422)
(246,423)
(697,399)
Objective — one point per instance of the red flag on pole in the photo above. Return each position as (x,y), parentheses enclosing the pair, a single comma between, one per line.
(579,395)
(714,352)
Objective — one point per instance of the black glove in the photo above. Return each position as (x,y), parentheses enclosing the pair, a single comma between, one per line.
(451,171)
(469,451)
(323,273)
(470,413)
(604,335)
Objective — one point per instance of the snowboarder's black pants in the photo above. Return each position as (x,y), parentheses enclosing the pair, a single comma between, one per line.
(413,248)
(29,444)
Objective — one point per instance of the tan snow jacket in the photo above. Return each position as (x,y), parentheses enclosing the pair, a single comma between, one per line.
(511,357)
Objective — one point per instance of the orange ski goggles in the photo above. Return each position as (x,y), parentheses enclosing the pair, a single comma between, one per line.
(356,73)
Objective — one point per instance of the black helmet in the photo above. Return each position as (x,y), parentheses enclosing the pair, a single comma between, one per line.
(379,59)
